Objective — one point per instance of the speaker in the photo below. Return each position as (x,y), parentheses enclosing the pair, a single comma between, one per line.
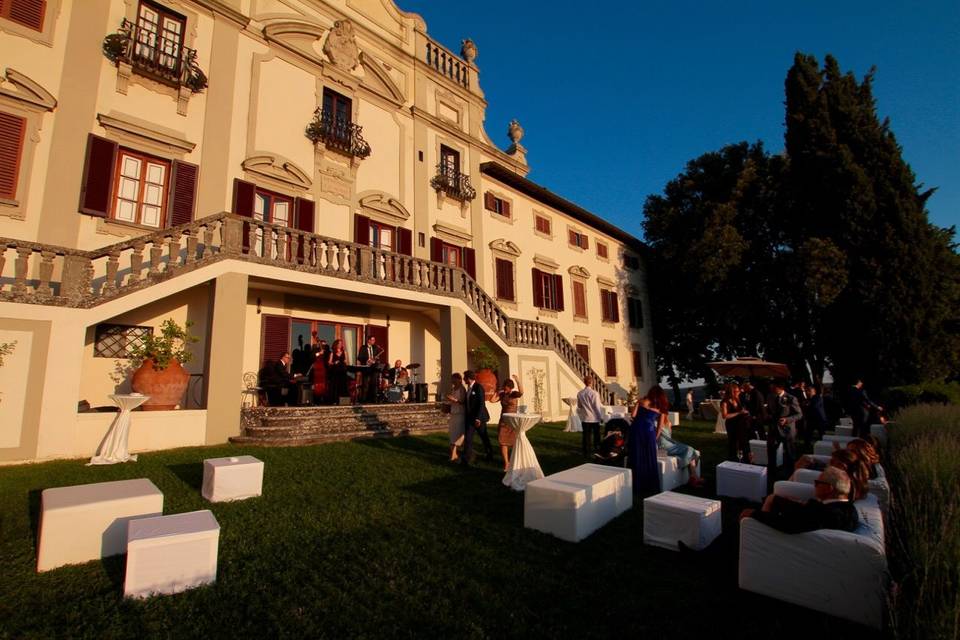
(421,392)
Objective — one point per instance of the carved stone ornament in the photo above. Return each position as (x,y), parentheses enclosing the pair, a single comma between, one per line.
(341,46)
(468,50)
(514,132)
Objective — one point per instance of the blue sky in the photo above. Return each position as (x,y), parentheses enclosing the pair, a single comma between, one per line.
(670,80)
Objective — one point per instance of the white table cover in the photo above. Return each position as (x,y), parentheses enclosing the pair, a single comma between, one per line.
(169,554)
(739,480)
(611,411)
(721,424)
(113,448)
(89,521)
(576,502)
(669,517)
(524,466)
(573,420)
(233,478)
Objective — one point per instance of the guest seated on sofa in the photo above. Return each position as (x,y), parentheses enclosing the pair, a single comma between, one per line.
(867,452)
(847,460)
(829,509)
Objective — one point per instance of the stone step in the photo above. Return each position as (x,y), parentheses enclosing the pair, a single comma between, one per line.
(305,440)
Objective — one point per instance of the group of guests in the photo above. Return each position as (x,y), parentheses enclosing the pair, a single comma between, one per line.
(469,417)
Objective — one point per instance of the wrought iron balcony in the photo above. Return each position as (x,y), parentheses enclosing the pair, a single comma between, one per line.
(453,183)
(150,53)
(337,133)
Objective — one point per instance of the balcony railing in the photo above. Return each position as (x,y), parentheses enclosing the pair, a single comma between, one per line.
(447,64)
(337,133)
(150,53)
(453,183)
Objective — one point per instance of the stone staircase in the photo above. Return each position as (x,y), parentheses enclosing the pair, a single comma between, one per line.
(297,426)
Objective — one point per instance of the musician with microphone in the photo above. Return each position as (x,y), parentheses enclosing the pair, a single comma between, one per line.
(369,356)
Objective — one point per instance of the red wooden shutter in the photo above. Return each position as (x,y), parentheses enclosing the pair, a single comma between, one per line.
(584,242)
(489,201)
(504,279)
(470,262)
(558,285)
(538,288)
(637,364)
(244,194)
(361,229)
(436,249)
(604,305)
(26,12)
(584,352)
(611,361)
(614,307)
(505,209)
(276,338)
(404,241)
(303,217)
(183,193)
(572,238)
(579,299)
(96,189)
(12,129)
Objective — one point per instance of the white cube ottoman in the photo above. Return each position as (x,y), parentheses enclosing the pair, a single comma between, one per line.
(674,418)
(233,478)
(574,503)
(669,517)
(739,480)
(89,521)
(672,474)
(846,421)
(827,447)
(759,450)
(844,430)
(879,431)
(170,554)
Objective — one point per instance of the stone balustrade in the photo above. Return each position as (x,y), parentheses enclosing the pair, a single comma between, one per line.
(447,63)
(35,273)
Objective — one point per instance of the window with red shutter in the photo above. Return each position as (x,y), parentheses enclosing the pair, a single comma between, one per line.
(361,229)
(637,364)
(614,307)
(12,130)
(436,250)
(276,338)
(183,193)
(558,292)
(404,241)
(141,189)
(579,299)
(496,205)
(542,225)
(611,361)
(601,250)
(584,351)
(303,220)
(537,288)
(470,262)
(96,188)
(578,239)
(504,270)
(29,13)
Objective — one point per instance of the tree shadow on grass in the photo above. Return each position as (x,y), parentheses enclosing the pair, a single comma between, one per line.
(190,473)
(410,445)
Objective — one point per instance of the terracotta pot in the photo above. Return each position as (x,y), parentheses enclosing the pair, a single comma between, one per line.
(164,386)
(488,380)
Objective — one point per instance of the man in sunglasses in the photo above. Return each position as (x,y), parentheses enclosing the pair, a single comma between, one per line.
(829,509)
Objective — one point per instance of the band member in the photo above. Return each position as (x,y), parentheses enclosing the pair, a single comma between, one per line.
(369,356)
(278,382)
(337,373)
(398,375)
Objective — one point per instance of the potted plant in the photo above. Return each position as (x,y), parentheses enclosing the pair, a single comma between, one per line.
(485,363)
(160,374)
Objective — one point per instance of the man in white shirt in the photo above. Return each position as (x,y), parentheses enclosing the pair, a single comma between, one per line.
(590,410)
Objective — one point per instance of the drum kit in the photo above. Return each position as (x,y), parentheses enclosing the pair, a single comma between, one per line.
(393,392)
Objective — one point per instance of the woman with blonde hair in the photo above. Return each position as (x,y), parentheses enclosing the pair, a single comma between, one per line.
(737,420)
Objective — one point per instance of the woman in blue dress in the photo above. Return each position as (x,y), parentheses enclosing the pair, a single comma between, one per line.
(642,448)
(688,456)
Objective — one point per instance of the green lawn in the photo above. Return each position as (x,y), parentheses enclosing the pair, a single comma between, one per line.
(382,538)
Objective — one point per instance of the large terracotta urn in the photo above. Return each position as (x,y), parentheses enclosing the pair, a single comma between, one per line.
(164,386)
(488,380)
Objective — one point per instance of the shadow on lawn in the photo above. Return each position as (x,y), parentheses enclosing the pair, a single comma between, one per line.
(190,473)
(33,506)
(419,447)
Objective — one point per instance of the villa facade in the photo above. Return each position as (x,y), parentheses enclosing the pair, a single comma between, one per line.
(268,169)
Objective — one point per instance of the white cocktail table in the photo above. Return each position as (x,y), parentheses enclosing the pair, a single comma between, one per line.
(233,478)
(524,466)
(573,420)
(113,448)
(669,517)
(170,554)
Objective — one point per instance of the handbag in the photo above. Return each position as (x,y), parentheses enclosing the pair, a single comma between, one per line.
(445,407)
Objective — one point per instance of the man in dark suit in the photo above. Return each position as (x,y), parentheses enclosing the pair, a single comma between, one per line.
(784,411)
(859,407)
(476,417)
(278,382)
(368,356)
(752,400)
(829,509)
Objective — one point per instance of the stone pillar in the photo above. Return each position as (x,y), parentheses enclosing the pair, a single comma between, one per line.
(224,375)
(453,344)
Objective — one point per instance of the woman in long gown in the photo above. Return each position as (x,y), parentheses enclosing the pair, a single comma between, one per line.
(688,455)
(642,448)
(455,423)
(737,420)
(337,372)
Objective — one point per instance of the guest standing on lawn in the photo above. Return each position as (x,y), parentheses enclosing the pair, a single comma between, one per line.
(476,419)
(590,410)
(507,396)
(458,400)
(784,411)
(690,404)
(688,455)
(737,420)
(642,447)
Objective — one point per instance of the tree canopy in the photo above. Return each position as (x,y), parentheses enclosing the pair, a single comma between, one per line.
(821,257)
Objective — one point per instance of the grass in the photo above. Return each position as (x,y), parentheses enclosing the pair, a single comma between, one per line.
(383,538)
(924,459)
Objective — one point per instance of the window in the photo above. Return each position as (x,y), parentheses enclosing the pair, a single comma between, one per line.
(381,236)
(579,299)
(610,357)
(602,250)
(117,340)
(542,225)
(12,130)
(547,290)
(449,162)
(504,270)
(497,205)
(451,254)
(159,39)
(578,239)
(635,313)
(638,364)
(337,107)
(29,13)
(454,255)
(272,207)
(140,195)
(609,306)
(631,262)
(584,351)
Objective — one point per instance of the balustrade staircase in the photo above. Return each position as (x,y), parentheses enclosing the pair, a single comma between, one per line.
(50,275)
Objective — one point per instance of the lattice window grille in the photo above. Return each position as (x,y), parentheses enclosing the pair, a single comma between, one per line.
(118,340)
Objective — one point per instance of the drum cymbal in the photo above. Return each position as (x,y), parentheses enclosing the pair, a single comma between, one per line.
(413,365)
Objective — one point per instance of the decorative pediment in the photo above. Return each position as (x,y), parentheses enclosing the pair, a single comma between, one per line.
(580,272)
(505,246)
(26,90)
(299,36)
(546,262)
(452,233)
(279,168)
(385,205)
(123,127)
(378,80)
(607,282)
